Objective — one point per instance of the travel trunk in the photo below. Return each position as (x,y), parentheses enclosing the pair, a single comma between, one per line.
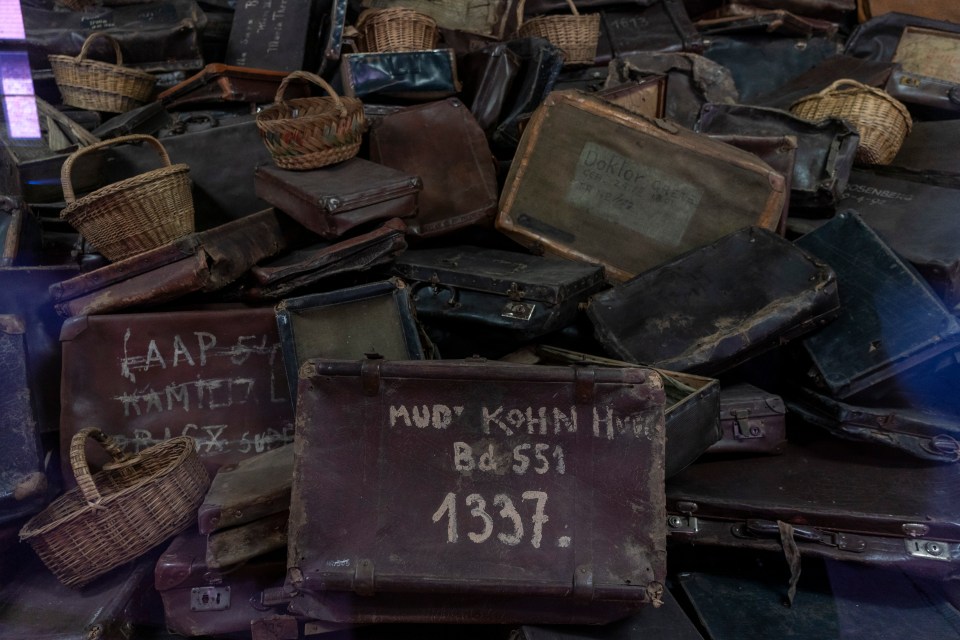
(402,448)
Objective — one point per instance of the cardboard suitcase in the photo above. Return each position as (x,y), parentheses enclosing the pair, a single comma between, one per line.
(717,306)
(854,502)
(752,421)
(890,321)
(215,374)
(199,262)
(470,491)
(596,183)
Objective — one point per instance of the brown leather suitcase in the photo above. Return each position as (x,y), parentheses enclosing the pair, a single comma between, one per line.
(933,9)
(752,421)
(596,183)
(200,262)
(471,491)
(219,82)
(332,200)
(214,374)
(459,180)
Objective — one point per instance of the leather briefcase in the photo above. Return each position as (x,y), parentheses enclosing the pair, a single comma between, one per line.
(418,76)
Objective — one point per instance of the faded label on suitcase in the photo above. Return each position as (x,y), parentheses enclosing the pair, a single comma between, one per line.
(217,376)
(272,34)
(929,52)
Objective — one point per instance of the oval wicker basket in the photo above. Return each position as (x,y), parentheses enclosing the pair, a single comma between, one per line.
(100,86)
(576,35)
(396,29)
(118,514)
(133,215)
(308,133)
(882,122)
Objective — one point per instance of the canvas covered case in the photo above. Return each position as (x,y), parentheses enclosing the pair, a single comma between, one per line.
(890,320)
(413,75)
(846,501)
(215,374)
(451,509)
(474,300)
(718,305)
(633,192)
(752,421)
(459,180)
(199,262)
(332,200)
(375,318)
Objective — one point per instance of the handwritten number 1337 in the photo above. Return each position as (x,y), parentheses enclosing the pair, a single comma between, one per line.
(514,531)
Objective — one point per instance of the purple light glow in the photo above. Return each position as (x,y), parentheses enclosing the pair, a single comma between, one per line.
(21,115)
(11,21)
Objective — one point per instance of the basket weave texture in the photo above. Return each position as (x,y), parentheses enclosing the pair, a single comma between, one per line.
(100,86)
(133,215)
(576,35)
(309,133)
(396,29)
(882,122)
(118,514)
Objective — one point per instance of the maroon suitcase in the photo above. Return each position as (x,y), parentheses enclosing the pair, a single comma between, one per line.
(459,180)
(556,474)
(216,375)
(751,421)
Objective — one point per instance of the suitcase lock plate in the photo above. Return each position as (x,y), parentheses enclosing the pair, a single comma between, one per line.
(209,598)
(929,549)
(743,427)
(518,310)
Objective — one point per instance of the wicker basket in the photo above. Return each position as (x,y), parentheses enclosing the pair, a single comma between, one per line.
(576,35)
(132,505)
(308,133)
(100,86)
(881,121)
(396,29)
(133,215)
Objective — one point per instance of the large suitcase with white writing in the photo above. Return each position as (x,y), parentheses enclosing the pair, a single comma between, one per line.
(473,491)
(214,374)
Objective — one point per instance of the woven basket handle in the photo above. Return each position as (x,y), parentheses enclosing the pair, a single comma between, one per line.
(65,171)
(573,7)
(78,460)
(100,34)
(315,79)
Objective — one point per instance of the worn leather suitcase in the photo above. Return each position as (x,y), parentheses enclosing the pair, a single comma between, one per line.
(488,77)
(917,221)
(633,192)
(691,414)
(278,278)
(214,374)
(925,155)
(219,82)
(236,545)
(768,21)
(890,321)
(199,262)
(376,318)
(200,601)
(459,180)
(869,72)
(919,433)
(661,26)
(148,119)
(752,421)
(332,200)
(533,442)
(717,306)
(489,302)
(23,484)
(276,35)
(839,500)
(35,606)
(936,10)
(825,150)
(412,75)
(692,81)
(666,622)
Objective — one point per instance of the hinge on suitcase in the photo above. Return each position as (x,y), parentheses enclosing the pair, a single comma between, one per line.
(370,374)
(743,427)
(769,529)
(583,582)
(930,549)
(363,578)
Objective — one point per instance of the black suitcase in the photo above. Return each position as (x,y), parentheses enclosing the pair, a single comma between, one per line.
(277,35)
(927,155)
(717,306)
(752,421)
(890,321)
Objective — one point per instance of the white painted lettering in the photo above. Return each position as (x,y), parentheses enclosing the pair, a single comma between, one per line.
(180,349)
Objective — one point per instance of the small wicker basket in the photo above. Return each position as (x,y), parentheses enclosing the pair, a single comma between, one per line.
(882,122)
(396,29)
(118,514)
(309,133)
(135,214)
(576,35)
(100,86)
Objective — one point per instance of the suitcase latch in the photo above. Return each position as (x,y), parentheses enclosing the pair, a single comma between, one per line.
(929,549)
(682,524)
(209,598)
(518,310)
(743,427)
(770,529)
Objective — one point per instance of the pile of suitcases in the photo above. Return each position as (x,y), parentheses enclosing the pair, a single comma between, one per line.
(538,348)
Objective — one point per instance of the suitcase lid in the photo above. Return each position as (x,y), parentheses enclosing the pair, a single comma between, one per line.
(342,187)
(385,435)
(505,273)
(890,319)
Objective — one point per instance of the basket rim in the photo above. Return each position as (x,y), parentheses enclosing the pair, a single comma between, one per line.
(100,65)
(120,186)
(185,443)
(277,112)
(854,91)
